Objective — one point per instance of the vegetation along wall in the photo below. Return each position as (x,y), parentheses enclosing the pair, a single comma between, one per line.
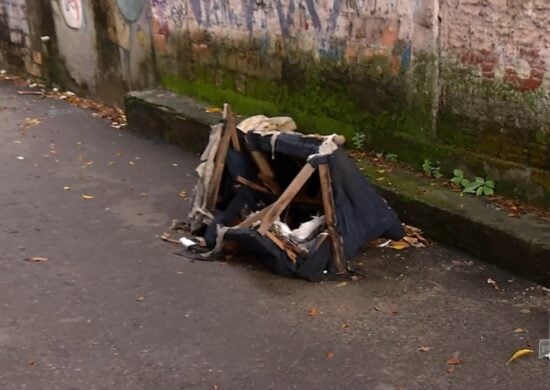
(463,82)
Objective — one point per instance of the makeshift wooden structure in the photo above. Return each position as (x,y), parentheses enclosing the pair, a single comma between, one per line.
(265,218)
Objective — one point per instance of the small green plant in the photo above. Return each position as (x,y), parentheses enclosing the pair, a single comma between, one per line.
(391,157)
(459,178)
(480,186)
(358,140)
(431,169)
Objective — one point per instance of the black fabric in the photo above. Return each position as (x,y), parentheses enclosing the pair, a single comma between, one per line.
(362,214)
(253,243)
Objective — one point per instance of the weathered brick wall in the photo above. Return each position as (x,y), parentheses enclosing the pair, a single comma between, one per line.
(496,83)
(14,35)
(504,40)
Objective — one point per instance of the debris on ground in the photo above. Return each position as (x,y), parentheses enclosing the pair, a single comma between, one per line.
(388,308)
(493,283)
(413,237)
(37,259)
(297,202)
(115,115)
(519,354)
(455,360)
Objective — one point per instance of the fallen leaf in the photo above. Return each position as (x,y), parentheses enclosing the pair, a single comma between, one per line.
(399,245)
(344,325)
(330,355)
(341,284)
(32,122)
(455,361)
(424,349)
(87,197)
(520,353)
(313,312)
(20,157)
(111,163)
(66,188)
(131,162)
(493,283)
(380,178)
(520,330)
(140,298)
(183,194)
(37,259)
(213,109)
(387,308)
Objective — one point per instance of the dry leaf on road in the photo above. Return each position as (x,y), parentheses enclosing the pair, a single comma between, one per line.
(140,298)
(399,245)
(520,330)
(37,259)
(520,353)
(424,349)
(313,312)
(388,308)
(87,197)
(455,360)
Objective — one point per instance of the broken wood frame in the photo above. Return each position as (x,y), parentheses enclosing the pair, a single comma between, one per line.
(270,213)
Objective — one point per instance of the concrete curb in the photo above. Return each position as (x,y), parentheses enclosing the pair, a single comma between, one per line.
(521,245)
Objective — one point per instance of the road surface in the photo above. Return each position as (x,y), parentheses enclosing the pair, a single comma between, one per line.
(113,308)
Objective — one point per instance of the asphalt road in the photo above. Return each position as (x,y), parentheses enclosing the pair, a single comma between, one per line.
(113,308)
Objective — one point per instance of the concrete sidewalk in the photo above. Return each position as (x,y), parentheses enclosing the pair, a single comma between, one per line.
(113,308)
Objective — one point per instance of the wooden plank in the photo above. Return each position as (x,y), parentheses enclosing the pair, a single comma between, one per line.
(253,218)
(338,257)
(230,125)
(251,184)
(286,197)
(281,244)
(266,173)
(219,164)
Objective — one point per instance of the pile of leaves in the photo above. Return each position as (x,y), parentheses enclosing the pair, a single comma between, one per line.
(114,114)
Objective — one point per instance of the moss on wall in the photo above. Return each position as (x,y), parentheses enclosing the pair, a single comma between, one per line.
(393,107)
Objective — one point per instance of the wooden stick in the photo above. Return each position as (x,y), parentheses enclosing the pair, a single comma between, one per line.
(230,125)
(253,218)
(266,173)
(338,258)
(251,184)
(219,164)
(286,197)
(281,244)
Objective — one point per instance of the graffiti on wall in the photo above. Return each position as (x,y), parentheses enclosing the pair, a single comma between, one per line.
(131,9)
(13,22)
(328,27)
(72,12)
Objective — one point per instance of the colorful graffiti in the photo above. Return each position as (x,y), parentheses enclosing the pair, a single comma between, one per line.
(72,13)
